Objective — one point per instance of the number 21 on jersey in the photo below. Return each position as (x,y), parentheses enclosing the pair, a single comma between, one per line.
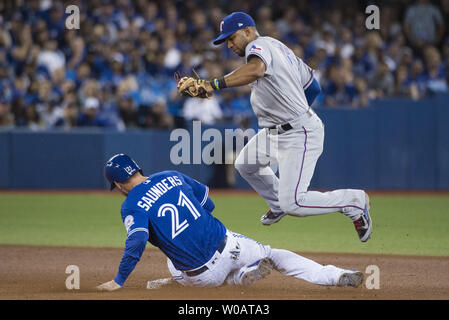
(176,226)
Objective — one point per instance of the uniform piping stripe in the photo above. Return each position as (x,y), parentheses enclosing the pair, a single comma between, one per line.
(205,196)
(299,180)
(302,165)
(309,81)
(137,229)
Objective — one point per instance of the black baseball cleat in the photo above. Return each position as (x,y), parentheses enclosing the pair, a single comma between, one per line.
(271,217)
(364,225)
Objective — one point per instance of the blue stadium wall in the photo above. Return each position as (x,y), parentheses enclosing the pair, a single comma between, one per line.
(394,144)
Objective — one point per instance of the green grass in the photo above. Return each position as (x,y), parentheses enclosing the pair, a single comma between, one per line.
(402,225)
(61,220)
(414,225)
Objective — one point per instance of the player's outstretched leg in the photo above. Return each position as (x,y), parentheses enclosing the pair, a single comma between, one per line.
(292,264)
(297,161)
(352,203)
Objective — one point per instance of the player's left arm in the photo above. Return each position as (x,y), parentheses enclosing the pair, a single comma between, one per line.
(309,84)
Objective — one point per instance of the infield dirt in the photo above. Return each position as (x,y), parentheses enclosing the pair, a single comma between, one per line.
(31,272)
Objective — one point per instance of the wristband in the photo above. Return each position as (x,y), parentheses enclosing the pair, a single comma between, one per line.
(218,83)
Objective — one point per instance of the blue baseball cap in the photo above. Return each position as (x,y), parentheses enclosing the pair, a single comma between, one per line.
(120,168)
(232,23)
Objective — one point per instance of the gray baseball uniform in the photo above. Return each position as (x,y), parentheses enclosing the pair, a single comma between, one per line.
(279,98)
(282,85)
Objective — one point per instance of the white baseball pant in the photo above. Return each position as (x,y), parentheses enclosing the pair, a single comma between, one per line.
(241,251)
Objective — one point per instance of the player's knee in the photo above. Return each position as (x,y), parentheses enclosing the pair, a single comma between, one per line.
(286,205)
(244,168)
(301,212)
(290,206)
(238,166)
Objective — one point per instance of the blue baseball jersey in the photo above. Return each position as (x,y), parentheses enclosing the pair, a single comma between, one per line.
(173,212)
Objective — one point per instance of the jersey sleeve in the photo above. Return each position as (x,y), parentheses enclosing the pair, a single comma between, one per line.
(201,193)
(136,225)
(262,50)
(134,221)
(135,245)
(305,72)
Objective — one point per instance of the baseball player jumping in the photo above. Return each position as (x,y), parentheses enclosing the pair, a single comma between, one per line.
(173,212)
(282,89)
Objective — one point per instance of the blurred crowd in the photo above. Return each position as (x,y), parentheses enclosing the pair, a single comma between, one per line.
(116,70)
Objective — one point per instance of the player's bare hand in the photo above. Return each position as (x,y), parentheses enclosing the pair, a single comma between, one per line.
(109,286)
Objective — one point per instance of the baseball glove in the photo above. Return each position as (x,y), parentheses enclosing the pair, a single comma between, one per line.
(190,86)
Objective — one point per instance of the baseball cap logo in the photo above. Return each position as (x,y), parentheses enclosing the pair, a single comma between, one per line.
(232,23)
(129,170)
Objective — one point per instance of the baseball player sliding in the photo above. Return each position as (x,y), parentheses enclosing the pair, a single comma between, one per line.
(173,212)
(283,88)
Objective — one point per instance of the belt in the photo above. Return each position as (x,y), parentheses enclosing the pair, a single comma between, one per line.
(205,268)
(287,126)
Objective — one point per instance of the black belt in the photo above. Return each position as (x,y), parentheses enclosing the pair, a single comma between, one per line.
(285,127)
(205,268)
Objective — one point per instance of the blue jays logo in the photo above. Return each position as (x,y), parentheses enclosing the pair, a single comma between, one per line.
(130,170)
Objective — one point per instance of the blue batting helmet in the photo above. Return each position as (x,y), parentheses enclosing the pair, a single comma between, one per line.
(120,168)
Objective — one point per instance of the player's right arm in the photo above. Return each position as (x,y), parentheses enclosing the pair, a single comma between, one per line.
(258,57)
(134,247)
(136,225)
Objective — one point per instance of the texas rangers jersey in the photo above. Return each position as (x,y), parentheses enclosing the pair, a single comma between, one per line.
(279,96)
(175,210)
